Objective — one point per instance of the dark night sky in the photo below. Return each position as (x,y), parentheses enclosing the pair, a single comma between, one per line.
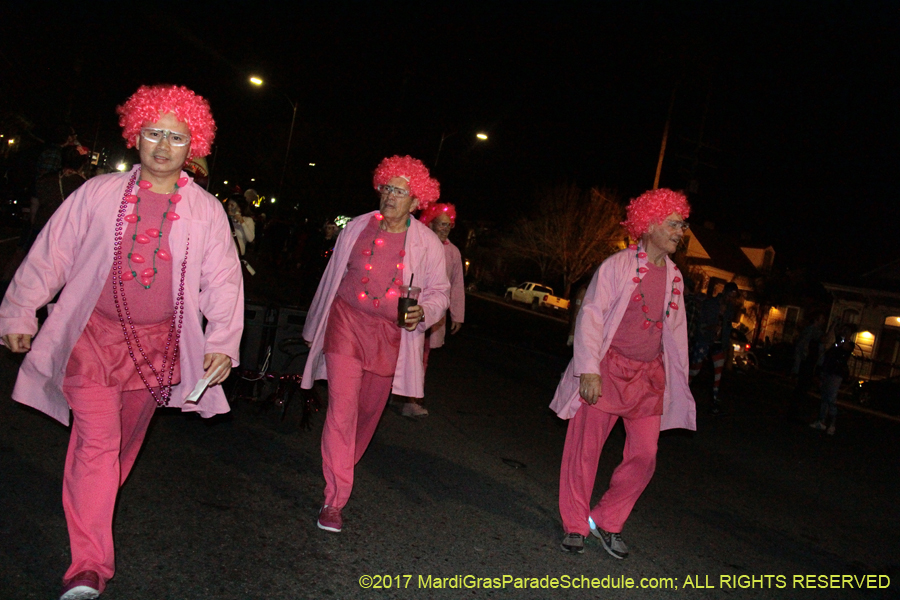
(797,102)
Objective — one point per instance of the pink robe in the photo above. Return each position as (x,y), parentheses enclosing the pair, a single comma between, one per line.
(425,259)
(604,304)
(457,295)
(75,250)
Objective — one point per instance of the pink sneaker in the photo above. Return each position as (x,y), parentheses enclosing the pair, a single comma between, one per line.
(84,586)
(330,519)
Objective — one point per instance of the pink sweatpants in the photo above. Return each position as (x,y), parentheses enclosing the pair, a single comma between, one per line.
(108,428)
(356,399)
(587,433)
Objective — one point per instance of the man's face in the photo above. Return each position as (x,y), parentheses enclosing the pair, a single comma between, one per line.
(396,207)
(161,159)
(667,234)
(330,230)
(442,225)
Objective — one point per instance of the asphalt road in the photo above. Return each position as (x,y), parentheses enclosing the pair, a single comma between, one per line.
(747,507)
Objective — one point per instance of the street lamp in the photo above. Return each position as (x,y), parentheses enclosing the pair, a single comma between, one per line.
(259,82)
(444,136)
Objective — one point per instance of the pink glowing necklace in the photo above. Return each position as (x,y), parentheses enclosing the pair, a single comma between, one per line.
(639,295)
(148,275)
(390,291)
(118,284)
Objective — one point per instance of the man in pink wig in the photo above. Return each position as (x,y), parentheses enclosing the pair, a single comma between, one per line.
(441,218)
(141,258)
(631,361)
(352,325)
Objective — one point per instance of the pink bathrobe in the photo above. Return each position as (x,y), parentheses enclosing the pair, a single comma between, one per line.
(604,304)
(457,295)
(75,250)
(425,259)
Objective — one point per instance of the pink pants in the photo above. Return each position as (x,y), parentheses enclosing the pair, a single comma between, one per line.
(587,433)
(108,428)
(356,399)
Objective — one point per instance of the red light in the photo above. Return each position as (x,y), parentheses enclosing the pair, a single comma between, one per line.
(545,297)
(746,346)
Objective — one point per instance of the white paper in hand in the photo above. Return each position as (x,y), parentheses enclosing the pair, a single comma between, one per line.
(194,396)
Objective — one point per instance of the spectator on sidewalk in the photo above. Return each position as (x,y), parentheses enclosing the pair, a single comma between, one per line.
(713,337)
(631,362)
(834,371)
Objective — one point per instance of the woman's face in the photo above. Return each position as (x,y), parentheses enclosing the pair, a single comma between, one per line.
(232,208)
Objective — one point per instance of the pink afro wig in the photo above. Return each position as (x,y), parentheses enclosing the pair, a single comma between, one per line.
(421,185)
(653,207)
(149,102)
(431,213)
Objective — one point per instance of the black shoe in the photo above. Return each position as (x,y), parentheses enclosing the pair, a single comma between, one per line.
(573,542)
(612,543)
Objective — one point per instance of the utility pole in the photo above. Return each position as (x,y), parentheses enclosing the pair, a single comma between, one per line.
(665,138)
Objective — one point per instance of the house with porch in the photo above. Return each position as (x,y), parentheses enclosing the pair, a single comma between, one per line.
(871,303)
(712,258)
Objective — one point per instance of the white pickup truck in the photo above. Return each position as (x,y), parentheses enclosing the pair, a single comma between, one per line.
(537,295)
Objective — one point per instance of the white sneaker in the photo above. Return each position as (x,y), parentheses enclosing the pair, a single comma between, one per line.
(818,426)
(411,409)
(830,430)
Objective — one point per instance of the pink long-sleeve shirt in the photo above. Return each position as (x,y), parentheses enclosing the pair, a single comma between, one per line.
(457,295)
(607,297)
(74,253)
(425,260)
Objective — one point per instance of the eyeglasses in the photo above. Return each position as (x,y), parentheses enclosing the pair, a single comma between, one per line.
(447,225)
(683,225)
(154,136)
(390,190)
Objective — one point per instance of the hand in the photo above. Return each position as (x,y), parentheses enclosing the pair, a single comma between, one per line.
(454,327)
(213,361)
(413,316)
(18,342)
(590,387)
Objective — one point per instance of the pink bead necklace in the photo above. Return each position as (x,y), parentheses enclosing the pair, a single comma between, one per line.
(390,291)
(118,281)
(639,296)
(148,275)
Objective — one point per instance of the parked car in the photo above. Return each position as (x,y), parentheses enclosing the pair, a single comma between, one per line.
(537,295)
(882,395)
(743,356)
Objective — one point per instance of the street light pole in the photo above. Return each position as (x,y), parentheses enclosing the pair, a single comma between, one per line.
(481,136)
(287,152)
(259,82)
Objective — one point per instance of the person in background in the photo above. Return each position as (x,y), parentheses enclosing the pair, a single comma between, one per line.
(139,259)
(713,337)
(630,362)
(834,371)
(243,228)
(441,218)
(49,192)
(352,325)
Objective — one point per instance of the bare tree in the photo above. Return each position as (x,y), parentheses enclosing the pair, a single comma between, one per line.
(570,232)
